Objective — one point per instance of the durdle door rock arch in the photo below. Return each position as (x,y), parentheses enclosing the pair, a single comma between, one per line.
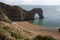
(15,13)
(30,14)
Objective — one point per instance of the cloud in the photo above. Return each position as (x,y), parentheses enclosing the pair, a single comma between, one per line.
(47,2)
(28,1)
(11,0)
(32,2)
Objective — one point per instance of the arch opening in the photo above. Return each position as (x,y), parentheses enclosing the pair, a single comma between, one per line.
(36,16)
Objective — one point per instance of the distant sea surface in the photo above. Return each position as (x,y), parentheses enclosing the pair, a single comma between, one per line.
(51,15)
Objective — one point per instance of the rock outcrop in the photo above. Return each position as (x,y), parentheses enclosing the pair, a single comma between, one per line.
(15,13)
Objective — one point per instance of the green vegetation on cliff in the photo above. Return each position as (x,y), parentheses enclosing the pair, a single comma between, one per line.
(11,33)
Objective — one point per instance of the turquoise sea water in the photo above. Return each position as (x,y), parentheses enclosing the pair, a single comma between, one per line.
(51,15)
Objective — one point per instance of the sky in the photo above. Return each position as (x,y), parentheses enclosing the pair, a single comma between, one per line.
(31,2)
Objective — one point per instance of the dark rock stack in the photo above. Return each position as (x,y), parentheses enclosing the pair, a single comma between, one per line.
(59,29)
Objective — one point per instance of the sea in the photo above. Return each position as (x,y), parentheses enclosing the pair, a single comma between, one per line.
(51,15)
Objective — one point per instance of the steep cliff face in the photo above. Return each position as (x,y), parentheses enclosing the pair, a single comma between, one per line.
(15,13)
(11,11)
(4,17)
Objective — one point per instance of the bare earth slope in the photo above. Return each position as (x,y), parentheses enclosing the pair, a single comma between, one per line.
(39,30)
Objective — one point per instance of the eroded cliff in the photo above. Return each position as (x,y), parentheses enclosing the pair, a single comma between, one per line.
(15,13)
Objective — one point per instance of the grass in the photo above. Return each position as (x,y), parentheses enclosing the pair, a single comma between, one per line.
(12,33)
(16,35)
(43,38)
(8,32)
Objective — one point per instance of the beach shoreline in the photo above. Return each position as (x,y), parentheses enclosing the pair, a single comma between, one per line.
(39,30)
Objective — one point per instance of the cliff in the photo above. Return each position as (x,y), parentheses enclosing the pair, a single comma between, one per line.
(15,13)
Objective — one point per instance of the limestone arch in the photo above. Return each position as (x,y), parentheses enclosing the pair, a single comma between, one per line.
(34,11)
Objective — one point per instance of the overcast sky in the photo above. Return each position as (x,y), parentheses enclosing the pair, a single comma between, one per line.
(32,2)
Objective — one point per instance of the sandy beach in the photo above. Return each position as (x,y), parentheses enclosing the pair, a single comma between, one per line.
(39,30)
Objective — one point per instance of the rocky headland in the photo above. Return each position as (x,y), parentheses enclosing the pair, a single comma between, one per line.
(14,25)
